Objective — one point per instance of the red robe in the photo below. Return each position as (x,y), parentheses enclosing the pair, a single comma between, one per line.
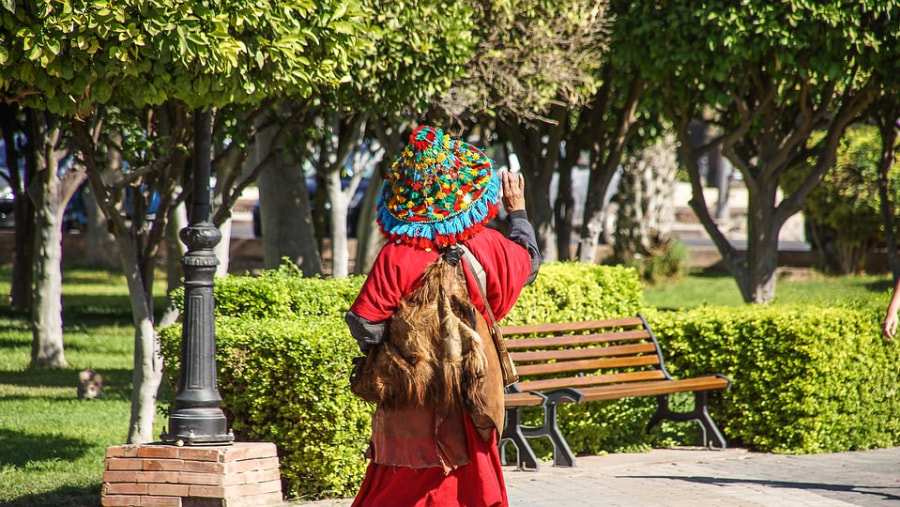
(397,271)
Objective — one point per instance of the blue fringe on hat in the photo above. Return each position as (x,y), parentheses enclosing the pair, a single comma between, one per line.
(441,232)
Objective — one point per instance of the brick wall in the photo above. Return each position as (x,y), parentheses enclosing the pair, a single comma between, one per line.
(240,475)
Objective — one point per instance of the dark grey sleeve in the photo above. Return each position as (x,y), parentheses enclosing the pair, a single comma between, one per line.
(366,332)
(522,232)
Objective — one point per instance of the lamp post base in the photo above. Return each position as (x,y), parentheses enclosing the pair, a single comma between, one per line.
(198,426)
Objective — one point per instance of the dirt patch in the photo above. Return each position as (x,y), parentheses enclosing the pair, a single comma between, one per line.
(794,273)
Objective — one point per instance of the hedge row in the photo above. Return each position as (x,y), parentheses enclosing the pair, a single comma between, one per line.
(807,379)
(283,354)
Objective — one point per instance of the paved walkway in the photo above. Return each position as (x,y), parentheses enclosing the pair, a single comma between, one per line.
(698,478)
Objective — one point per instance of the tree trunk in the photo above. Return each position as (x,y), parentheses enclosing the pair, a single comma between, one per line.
(340,251)
(138,243)
(335,147)
(596,210)
(227,161)
(175,251)
(287,229)
(47,341)
(223,247)
(51,194)
(101,248)
(610,125)
(757,283)
(563,211)
(646,210)
(21,291)
(537,149)
(148,361)
(369,238)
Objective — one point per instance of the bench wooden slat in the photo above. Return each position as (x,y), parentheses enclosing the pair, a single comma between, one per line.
(653,388)
(578,382)
(575,340)
(522,400)
(562,327)
(586,365)
(564,354)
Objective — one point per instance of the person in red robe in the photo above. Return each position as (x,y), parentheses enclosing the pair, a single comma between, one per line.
(439,194)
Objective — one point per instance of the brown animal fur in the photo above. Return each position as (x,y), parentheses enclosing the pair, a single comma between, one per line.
(90,384)
(433,357)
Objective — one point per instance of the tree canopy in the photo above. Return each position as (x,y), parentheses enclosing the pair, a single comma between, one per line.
(66,56)
(766,76)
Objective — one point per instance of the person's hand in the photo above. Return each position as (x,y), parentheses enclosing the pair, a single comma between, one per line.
(513,191)
(889,328)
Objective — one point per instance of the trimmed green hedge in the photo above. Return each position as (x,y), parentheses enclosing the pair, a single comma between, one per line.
(807,379)
(569,291)
(283,358)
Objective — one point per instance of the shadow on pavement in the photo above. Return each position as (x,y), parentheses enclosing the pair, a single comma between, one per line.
(808,486)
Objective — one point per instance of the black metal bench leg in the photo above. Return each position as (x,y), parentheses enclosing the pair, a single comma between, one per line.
(512,432)
(562,454)
(662,411)
(711,433)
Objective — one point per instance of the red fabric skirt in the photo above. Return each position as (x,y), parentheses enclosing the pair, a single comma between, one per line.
(477,484)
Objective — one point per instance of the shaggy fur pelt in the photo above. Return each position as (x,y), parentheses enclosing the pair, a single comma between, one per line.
(433,356)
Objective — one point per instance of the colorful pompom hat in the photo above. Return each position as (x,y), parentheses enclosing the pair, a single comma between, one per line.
(440,191)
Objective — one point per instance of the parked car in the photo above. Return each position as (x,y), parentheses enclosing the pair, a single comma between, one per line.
(353,209)
(7,200)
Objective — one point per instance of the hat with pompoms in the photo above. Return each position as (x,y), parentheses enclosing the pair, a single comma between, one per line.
(440,191)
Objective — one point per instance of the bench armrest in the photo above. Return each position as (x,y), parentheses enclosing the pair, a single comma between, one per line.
(564,393)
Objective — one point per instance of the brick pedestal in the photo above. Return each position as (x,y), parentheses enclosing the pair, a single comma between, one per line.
(238,475)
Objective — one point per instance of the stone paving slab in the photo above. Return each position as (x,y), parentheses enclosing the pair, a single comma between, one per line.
(688,477)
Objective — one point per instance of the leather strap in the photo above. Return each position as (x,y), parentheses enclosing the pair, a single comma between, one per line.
(480,279)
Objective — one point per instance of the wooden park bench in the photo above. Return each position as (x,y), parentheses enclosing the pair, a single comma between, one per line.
(597,360)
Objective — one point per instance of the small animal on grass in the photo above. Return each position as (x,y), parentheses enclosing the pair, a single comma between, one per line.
(90,384)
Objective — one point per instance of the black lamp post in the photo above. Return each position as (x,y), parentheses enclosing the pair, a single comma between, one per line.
(196,416)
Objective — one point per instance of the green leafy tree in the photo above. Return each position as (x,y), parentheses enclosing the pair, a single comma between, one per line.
(767,75)
(535,63)
(393,81)
(843,211)
(618,120)
(72,57)
(885,113)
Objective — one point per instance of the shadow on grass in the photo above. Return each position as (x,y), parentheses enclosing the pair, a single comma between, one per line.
(7,343)
(63,497)
(117,383)
(19,449)
(879,286)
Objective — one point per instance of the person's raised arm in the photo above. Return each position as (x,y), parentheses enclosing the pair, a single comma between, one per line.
(889,327)
(520,229)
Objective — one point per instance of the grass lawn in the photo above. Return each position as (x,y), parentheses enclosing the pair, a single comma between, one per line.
(52,445)
(793,286)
